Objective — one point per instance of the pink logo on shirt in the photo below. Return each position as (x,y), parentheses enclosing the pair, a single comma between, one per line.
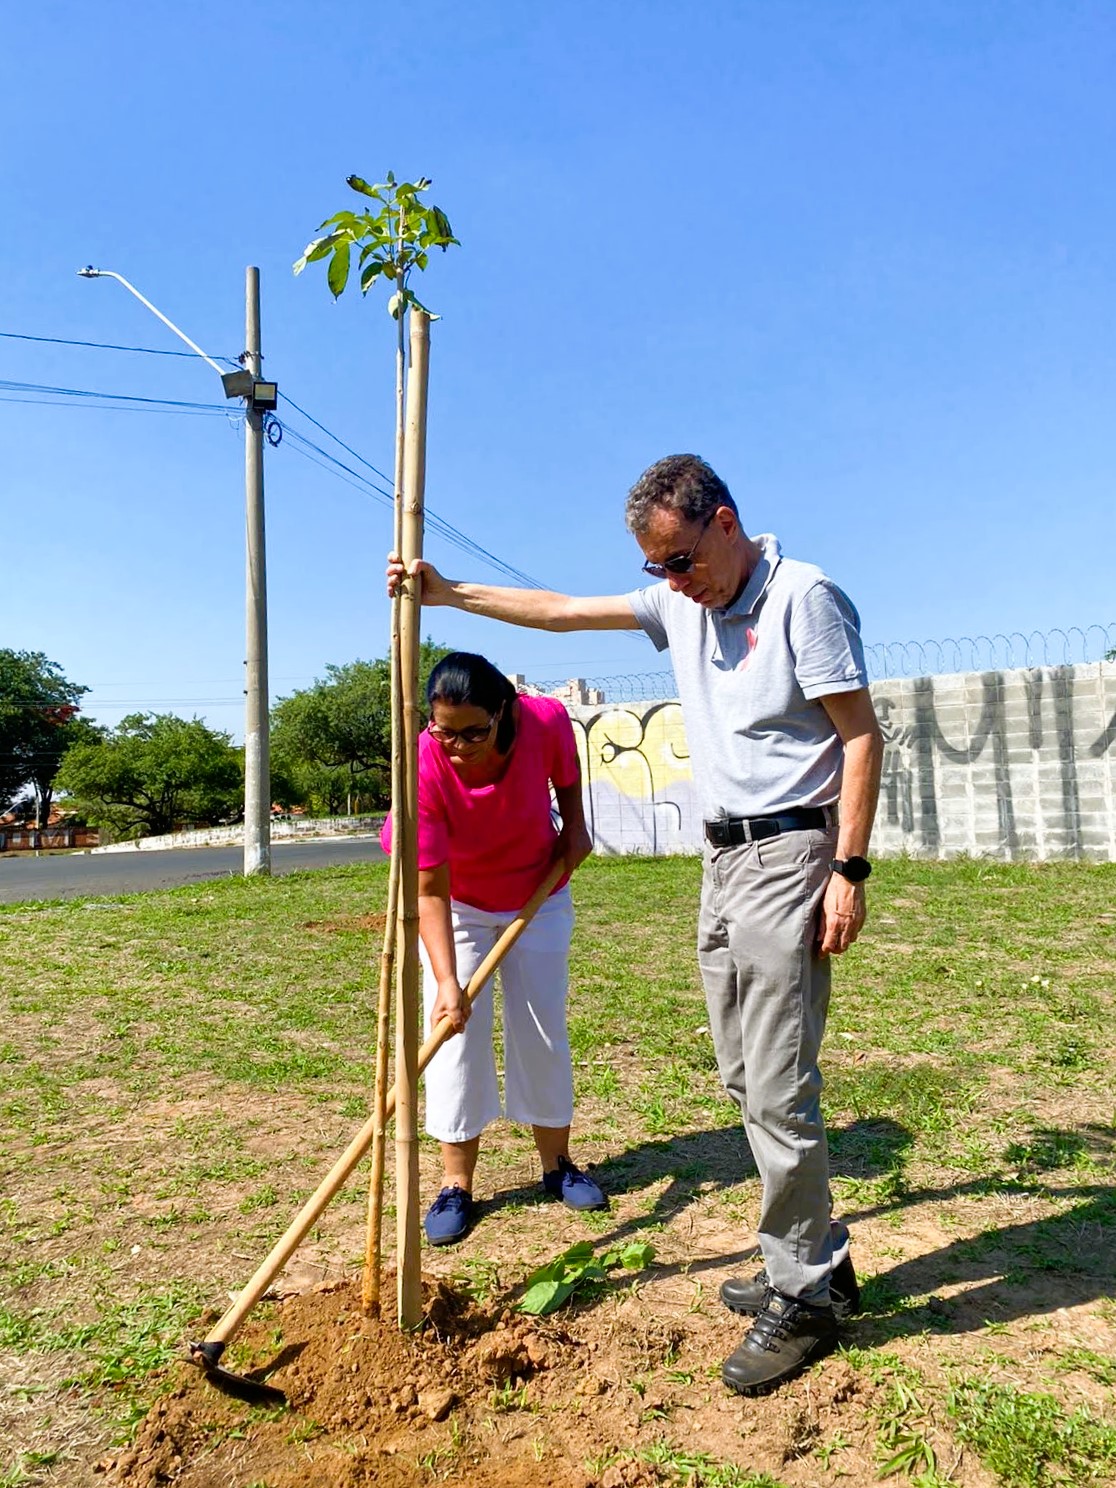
(751,637)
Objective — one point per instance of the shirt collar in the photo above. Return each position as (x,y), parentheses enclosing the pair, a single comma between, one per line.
(761,576)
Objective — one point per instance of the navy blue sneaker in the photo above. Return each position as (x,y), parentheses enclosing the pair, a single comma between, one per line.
(450,1216)
(575,1188)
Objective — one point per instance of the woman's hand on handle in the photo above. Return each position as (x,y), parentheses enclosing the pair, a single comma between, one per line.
(450,1003)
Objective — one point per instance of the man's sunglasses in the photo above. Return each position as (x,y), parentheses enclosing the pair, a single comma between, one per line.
(465,736)
(681,563)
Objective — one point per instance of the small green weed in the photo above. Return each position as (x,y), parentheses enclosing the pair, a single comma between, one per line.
(1029,1441)
(440,1462)
(1093,1364)
(826,1451)
(510,1397)
(265,1197)
(20,1471)
(699,1470)
(903,1445)
(478,1278)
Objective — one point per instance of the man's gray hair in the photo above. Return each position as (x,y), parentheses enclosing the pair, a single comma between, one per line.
(679,483)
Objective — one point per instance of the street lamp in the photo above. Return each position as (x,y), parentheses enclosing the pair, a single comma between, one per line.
(259,398)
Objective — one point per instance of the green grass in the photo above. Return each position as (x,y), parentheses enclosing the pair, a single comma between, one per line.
(1029,1440)
(177,1070)
(674,1467)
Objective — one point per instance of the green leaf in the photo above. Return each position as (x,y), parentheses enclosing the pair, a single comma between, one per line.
(545,1296)
(348,220)
(575,1257)
(442,226)
(338,274)
(368,276)
(358,184)
(397,304)
(413,299)
(319,248)
(636,1255)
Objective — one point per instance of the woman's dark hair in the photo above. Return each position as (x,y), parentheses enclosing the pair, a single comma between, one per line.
(462,678)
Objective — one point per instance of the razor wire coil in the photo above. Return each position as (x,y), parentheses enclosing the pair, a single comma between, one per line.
(1000,652)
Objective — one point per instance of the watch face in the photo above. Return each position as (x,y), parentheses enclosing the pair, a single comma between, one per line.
(856,870)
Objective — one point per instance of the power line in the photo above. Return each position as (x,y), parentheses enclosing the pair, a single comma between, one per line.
(330,435)
(445,529)
(109,346)
(93,407)
(434,522)
(44,391)
(139,404)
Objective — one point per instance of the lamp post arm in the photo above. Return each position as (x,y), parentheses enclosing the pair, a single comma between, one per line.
(92,273)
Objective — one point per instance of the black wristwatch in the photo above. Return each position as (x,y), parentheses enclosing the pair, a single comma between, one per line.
(856,870)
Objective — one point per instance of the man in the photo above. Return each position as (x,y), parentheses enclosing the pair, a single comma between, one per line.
(780,724)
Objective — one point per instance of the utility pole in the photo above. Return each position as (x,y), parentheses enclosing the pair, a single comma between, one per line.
(257,748)
(259,398)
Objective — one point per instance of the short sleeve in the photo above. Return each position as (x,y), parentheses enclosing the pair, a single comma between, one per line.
(563,749)
(825,642)
(433,818)
(433,837)
(647,607)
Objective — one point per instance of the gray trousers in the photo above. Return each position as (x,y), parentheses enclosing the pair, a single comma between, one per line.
(768,994)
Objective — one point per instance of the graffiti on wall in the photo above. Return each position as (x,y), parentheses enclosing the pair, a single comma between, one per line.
(635,764)
(1008,764)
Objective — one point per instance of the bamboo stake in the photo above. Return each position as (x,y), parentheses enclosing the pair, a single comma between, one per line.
(209,1352)
(405,822)
(374,1239)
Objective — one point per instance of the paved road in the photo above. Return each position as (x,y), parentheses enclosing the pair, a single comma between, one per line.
(71,875)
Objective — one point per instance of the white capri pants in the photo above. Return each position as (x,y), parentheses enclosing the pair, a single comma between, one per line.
(462,1092)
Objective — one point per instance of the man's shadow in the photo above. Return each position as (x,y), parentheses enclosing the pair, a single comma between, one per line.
(1022,1269)
(698,1162)
(1008,1271)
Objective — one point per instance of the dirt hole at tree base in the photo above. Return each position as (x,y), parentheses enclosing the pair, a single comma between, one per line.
(481,1395)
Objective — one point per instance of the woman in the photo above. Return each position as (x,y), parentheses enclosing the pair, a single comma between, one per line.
(486,838)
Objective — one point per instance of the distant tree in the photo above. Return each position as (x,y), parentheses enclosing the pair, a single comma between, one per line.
(331,743)
(154,773)
(1110,655)
(39,722)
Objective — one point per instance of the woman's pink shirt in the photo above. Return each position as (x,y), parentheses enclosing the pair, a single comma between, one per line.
(498,839)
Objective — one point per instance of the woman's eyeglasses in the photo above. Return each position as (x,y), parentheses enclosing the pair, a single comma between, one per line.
(681,563)
(464,736)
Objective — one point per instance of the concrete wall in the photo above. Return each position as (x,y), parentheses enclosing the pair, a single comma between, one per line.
(1013,764)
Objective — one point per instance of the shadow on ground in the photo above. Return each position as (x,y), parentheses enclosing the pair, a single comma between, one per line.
(1010,1271)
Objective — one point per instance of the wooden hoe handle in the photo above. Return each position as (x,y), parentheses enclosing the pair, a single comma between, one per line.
(307,1216)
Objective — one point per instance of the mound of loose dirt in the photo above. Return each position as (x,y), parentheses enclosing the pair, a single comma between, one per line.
(481,1395)
(366,1403)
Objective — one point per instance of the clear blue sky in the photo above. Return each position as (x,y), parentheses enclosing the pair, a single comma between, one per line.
(857,255)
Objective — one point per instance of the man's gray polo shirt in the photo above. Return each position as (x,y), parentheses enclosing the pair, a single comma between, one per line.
(749,679)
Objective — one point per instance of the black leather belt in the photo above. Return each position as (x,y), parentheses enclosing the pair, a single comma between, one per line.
(732,831)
